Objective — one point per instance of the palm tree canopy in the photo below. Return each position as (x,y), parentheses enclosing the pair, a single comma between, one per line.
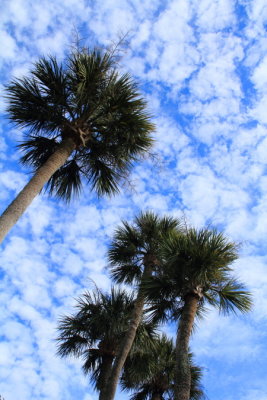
(151,371)
(132,245)
(84,98)
(97,329)
(197,262)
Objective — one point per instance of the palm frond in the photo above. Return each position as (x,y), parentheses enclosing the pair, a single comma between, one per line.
(66,181)
(127,273)
(151,370)
(232,297)
(143,393)
(72,338)
(158,287)
(124,246)
(103,178)
(92,359)
(88,74)
(132,243)
(29,107)
(37,150)
(52,81)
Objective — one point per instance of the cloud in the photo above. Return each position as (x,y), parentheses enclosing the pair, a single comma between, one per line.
(202,68)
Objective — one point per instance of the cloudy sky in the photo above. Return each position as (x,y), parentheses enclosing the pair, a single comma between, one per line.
(202,65)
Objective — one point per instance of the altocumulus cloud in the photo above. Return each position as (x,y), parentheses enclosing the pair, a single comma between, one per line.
(203,68)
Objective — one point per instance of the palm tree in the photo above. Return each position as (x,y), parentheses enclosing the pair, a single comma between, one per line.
(150,372)
(84,122)
(197,271)
(95,331)
(133,257)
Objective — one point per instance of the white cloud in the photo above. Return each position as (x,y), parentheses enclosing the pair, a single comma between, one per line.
(215,15)
(187,55)
(259,76)
(211,340)
(12,180)
(9,47)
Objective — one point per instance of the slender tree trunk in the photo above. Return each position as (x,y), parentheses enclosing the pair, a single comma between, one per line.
(125,348)
(105,374)
(182,372)
(127,343)
(34,186)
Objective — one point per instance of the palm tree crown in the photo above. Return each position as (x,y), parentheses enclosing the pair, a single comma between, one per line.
(198,262)
(136,246)
(96,330)
(150,372)
(87,100)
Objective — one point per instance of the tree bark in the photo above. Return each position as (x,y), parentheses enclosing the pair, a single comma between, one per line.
(182,371)
(34,186)
(104,375)
(127,342)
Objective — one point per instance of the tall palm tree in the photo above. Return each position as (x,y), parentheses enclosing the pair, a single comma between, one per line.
(197,271)
(95,331)
(83,122)
(133,256)
(150,372)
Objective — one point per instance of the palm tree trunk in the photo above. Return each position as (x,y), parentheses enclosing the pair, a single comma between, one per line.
(34,186)
(104,375)
(127,343)
(125,348)
(182,372)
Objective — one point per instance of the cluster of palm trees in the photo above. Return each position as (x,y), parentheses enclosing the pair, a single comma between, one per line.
(175,271)
(87,122)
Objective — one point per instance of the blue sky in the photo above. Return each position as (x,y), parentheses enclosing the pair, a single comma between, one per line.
(203,67)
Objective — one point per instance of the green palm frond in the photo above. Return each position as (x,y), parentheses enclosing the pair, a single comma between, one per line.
(143,393)
(103,177)
(161,312)
(95,331)
(153,228)
(127,273)
(92,361)
(52,82)
(230,296)
(99,315)
(66,181)
(199,257)
(196,391)
(30,106)
(72,338)
(146,335)
(132,243)
(37,150)
(200,254)
(125,244)
(151,370)
(89,72)
(158,287)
